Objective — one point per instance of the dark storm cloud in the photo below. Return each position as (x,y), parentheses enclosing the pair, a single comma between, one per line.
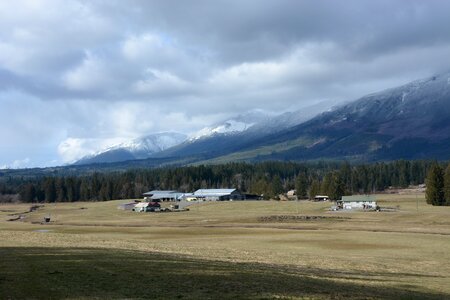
(107,64)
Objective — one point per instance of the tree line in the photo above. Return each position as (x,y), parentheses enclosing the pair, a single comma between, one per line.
(438,185)
(268,179)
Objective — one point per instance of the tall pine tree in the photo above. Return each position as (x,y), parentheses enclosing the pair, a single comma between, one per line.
(314,189)
(301,186)
(435,186)
(447,185)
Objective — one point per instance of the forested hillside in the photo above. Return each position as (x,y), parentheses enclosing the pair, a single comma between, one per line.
(268,178)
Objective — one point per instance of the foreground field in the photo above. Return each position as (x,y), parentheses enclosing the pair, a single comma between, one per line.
(264,249)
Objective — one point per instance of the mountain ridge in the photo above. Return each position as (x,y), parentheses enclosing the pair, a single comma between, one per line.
(410,121)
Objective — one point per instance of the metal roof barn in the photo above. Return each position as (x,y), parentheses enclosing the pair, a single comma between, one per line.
(218,194)
(357,202)
(157,195)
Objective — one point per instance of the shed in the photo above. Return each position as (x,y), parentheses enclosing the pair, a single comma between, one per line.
(357,202)
(321,198)
(161,195)
(218,194)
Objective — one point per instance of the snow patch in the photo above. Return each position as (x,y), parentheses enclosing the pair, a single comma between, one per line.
(230,126)
(404,94)
(150,144)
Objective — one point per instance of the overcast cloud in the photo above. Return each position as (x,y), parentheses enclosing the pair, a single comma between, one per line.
(76,76)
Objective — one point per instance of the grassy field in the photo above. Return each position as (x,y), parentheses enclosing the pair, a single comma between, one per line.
(248,250)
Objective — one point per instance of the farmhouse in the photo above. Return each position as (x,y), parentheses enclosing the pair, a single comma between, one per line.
(218,194)
(157,195)
(357,202)
(321,198)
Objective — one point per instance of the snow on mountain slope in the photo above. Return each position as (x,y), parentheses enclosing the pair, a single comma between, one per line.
(231,126)
(149,144)
(406,122)
(259,122)
(139,148)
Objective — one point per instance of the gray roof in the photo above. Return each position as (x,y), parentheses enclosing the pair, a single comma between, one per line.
(360,198)
(166,195)
(213,192)
(187,195)
(159,192)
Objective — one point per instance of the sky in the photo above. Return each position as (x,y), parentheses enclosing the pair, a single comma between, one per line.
(77,76)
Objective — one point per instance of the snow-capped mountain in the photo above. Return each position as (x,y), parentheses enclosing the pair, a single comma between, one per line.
(236,133)
(410,122)
(139,148)
(152,143)
(259,122)
(233,125)
(406,122)
(289,119)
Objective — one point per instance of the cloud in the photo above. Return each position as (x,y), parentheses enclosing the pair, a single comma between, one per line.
(77,74)
(17,164)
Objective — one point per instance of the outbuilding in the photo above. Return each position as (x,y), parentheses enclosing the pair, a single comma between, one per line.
(218,194)
(147,206)
(357,202)
(161,195)
(321,198)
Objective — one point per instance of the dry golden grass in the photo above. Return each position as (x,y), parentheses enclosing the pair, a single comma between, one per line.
(405,250)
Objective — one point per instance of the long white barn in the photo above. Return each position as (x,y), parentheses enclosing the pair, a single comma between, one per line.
(217,194)
(357,202)
(158,195)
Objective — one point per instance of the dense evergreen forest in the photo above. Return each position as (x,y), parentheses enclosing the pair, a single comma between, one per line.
(438,185)
(267,178)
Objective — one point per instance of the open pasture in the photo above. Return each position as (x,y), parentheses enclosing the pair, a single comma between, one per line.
(227,250)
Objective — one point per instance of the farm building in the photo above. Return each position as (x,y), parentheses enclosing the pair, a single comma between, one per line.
(357,202)
(291,194)
(218,194)
(158,195)
(321,198)
(147,206)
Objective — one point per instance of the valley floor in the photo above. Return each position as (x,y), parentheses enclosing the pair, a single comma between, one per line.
(227,250)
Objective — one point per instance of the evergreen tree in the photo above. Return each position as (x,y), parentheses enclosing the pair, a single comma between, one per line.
(435,186)
(277,186)
(60,190)
(346,175)
(447,185)
(28,193)
(85,193)
(301,186)
(336,186)
(50,189)
(314,189)
(325,187)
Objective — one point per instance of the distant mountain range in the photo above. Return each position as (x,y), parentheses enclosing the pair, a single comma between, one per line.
(411,122)
(251,124)
(140,148)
